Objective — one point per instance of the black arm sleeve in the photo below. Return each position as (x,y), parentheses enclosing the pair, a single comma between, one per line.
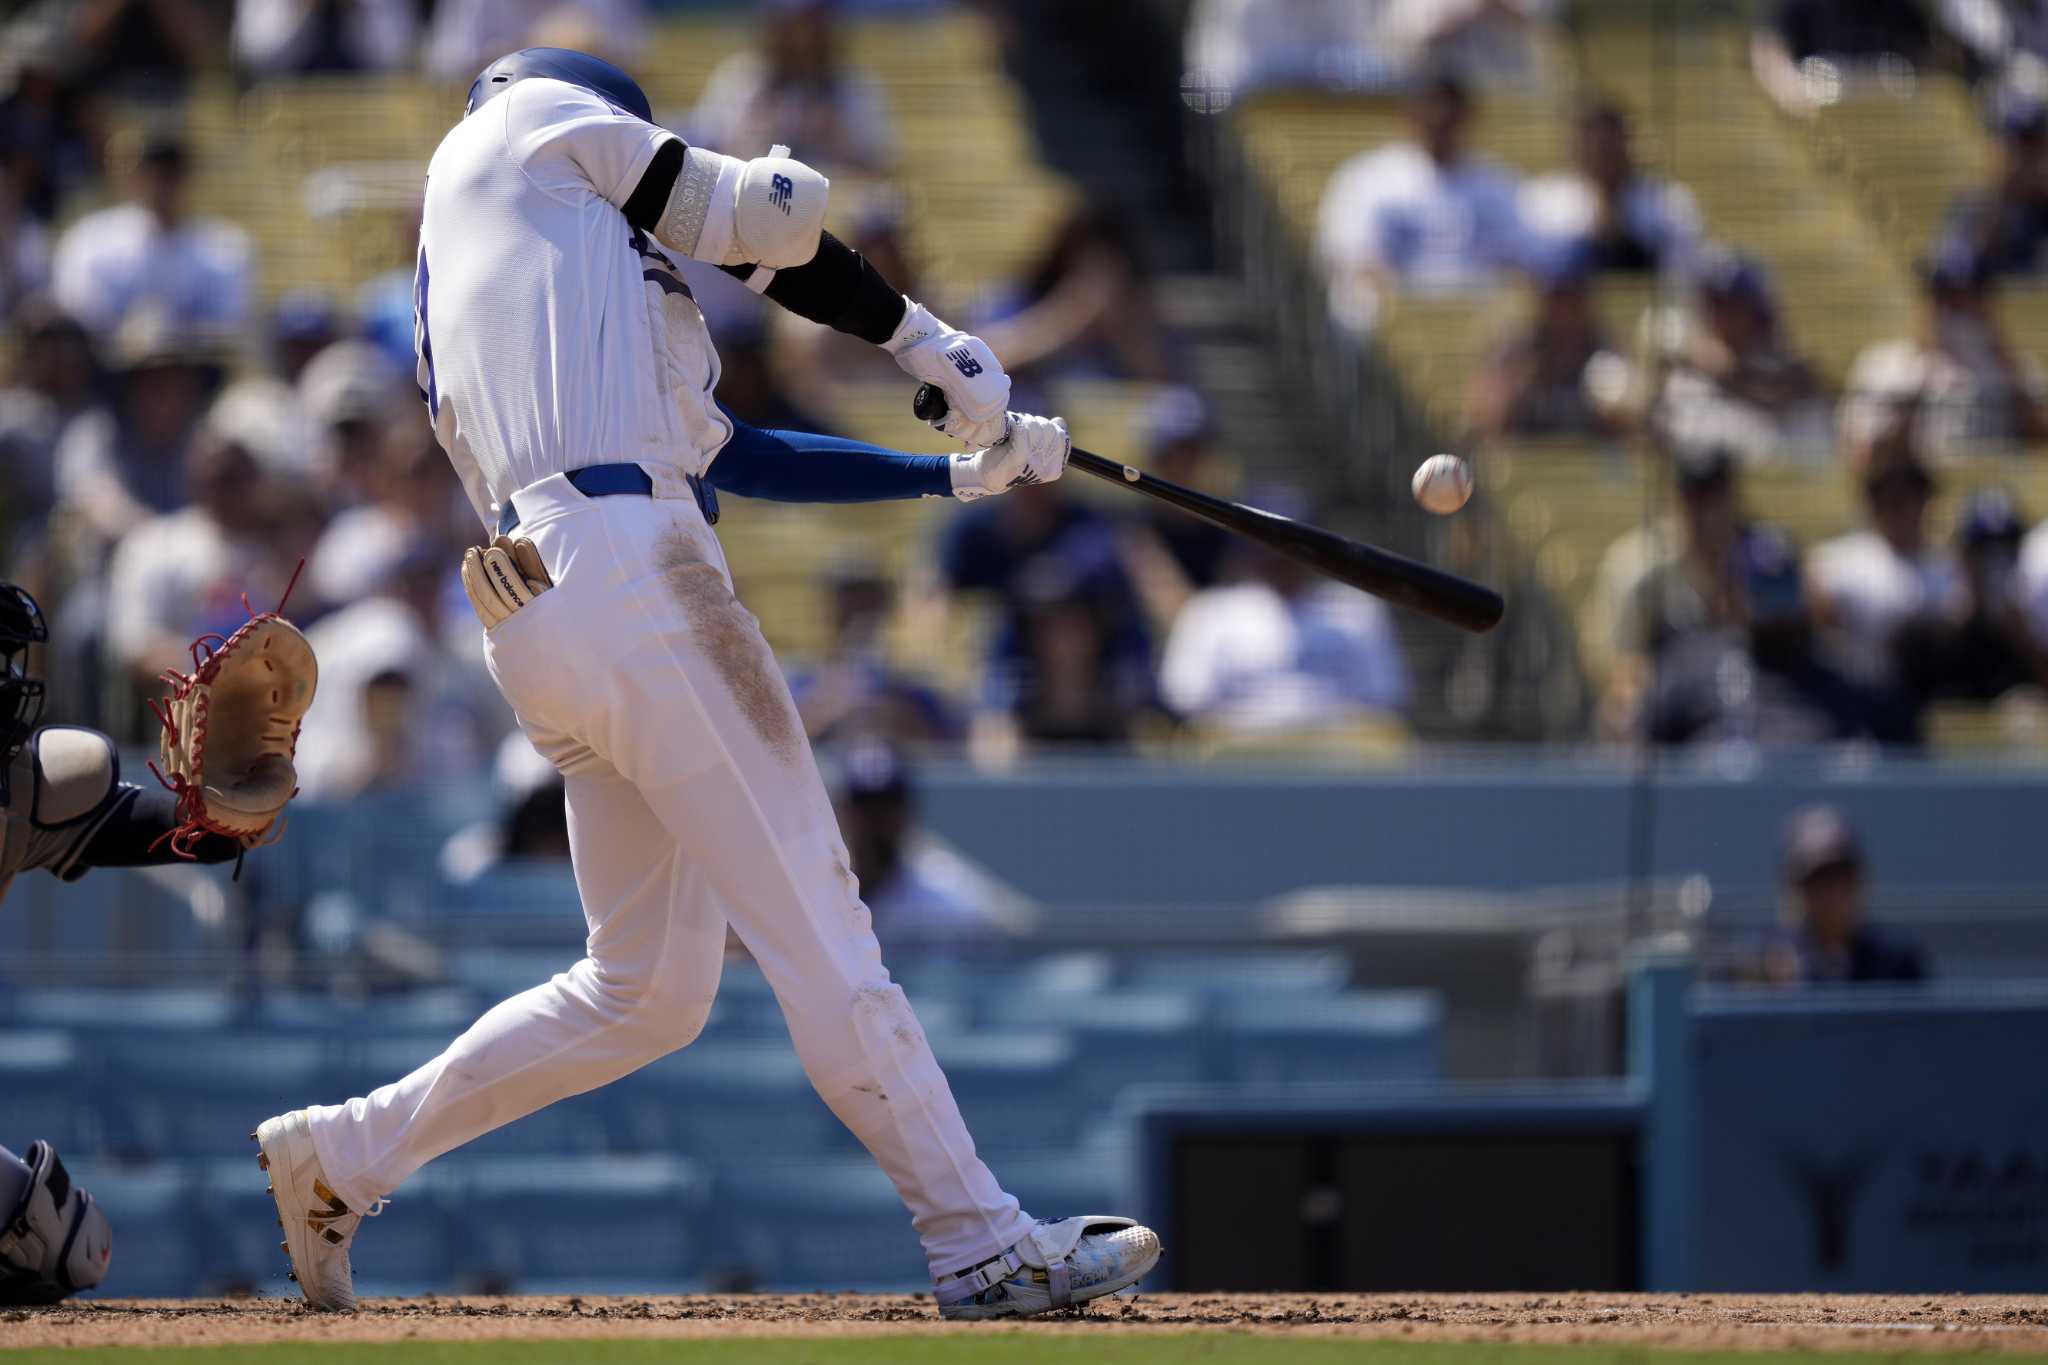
(643,208)
(839,288)
(137,821)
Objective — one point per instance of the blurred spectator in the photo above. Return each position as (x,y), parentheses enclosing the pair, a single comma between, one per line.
(309,37)
(796,89)
(178,575)
(532,824)
(467,35)
(1172,554)
(1757,678)
(1606,206)
(347,393)
(125,460)
(1829,937)
(404,697)
(1071,658)
(48,139)
(1421,216)
(1561,375)
(52,379)
(150,249)
(853,689)
(1279,648)
(1814,51)
(1239,47)
(924,896)
(303,323)
(24,255)
(1960,384)
(2005,224)
(1485,41)
(410,511)
(1872,587)
(1738,383)
(1083,308)
(144,46)
(1991,649)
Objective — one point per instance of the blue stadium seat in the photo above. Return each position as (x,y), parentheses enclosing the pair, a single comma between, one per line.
(1226,974)
(820,1225)
(197,1100)
(721,1100)
(1014,1087)
(48,1090)
(156,1232)
(619,1225)
(1382,1036)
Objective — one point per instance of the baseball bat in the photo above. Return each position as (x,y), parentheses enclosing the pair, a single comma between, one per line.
(1431,591)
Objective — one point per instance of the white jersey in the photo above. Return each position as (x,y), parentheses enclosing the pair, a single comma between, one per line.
(535,305)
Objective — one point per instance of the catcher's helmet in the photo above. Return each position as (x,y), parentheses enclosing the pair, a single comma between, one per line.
(594,74)
(21,697)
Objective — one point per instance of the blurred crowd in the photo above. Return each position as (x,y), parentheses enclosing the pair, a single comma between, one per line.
(1710,623)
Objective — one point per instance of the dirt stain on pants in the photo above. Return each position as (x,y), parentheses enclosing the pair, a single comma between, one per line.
(730,636)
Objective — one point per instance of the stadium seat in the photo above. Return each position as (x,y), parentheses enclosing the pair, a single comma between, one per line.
(156,1237)
(816,1225)
(545,1225)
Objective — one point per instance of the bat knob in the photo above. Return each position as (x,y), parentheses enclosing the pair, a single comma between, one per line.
(930,404)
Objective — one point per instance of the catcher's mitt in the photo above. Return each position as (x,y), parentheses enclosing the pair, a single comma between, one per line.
(231,727)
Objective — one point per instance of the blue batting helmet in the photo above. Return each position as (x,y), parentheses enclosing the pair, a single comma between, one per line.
(594,74)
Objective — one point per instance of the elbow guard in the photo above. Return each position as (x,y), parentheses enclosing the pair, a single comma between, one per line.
(769,211)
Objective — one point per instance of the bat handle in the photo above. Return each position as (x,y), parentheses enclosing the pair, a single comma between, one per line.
(930,405)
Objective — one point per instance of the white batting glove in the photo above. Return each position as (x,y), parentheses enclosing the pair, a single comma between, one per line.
(1034,452)
(976,388)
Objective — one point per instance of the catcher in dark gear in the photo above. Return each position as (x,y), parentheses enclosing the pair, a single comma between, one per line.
(64,809)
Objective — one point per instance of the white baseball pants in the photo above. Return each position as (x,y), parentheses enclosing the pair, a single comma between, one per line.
(692,794)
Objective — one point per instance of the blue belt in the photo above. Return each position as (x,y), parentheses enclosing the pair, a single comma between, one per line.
(611,480)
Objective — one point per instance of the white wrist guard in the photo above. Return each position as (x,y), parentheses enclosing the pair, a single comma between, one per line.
(769,211)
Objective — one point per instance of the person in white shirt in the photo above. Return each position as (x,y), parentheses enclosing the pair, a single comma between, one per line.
(197,271)
(571,380)
(795,89)
(1866,587)
(1607,207)
(1281,649)
(1239,47)
(1962,382)
(1424,217)
(297,37)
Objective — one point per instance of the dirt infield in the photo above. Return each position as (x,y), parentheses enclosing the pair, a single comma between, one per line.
(1705,1322)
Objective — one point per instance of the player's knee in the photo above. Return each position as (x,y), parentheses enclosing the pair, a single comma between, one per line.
(664,1009)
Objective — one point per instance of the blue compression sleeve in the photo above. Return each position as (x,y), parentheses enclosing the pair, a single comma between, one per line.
(797,466)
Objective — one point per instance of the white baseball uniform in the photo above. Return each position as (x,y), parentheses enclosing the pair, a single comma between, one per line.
(692,793)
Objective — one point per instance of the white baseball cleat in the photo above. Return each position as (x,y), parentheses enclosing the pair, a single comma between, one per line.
(318,1226)
(1060,1263)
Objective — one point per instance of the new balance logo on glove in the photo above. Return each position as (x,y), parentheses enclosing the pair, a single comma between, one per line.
(964,361)
(780,191)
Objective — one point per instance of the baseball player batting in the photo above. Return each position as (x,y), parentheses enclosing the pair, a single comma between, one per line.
(65,810)
(571,380)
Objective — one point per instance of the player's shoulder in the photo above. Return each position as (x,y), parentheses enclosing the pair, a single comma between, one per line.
(64,775)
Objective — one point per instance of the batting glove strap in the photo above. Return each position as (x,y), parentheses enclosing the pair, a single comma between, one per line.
(962,366)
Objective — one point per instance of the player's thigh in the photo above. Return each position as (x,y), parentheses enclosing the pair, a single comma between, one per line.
(650,911)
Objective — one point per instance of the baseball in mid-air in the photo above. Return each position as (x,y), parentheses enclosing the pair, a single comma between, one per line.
(1443,484)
